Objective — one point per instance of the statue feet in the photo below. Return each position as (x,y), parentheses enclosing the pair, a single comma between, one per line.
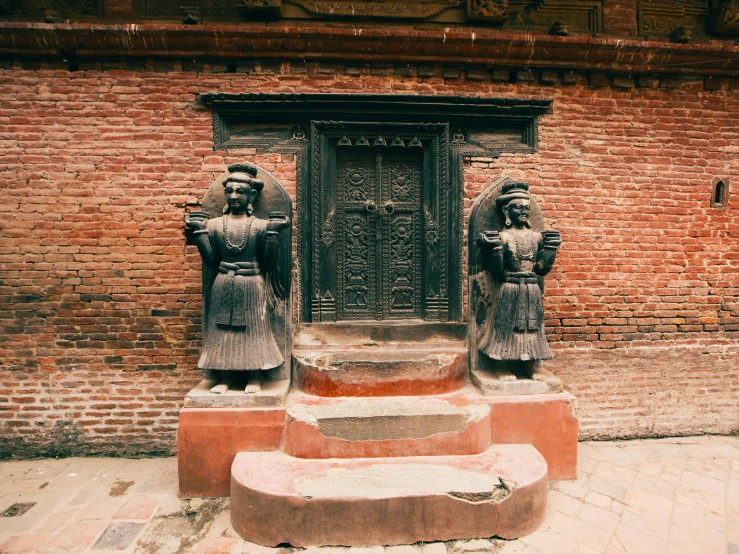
(223,382)
(253,383)
(541,374)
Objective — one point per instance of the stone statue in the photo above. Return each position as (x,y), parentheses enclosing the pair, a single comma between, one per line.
(517,259)
(237,333)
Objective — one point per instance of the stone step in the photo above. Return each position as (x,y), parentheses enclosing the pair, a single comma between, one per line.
(278,499)
(385,427)
(329,336)
(383,371)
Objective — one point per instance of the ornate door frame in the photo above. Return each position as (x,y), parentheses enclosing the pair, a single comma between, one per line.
(281,123)
(441,204)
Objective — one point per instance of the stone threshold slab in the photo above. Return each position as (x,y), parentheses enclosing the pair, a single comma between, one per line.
(361,502)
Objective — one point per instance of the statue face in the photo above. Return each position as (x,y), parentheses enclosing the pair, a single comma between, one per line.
(238,196)
(518,212)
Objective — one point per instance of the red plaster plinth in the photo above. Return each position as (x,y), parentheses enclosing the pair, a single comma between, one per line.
(209,439)
(546,421)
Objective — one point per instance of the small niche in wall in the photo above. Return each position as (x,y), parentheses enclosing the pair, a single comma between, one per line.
(720,193)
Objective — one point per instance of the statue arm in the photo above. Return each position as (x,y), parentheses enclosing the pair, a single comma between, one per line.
(205,241)
(270,257)
(491,254)
(549,242)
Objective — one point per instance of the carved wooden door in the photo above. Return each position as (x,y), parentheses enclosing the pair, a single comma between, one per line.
(384,224)
(378,229)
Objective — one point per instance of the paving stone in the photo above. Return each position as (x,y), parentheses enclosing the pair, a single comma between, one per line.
(118,535)
(434,548)
(403,549)
(703,500)
(475,545)
(635,541)
(56,520)
(703,483)
(575,489)
(563,503)
(100,508)
(645,500)
(598,517)
(597,499)
(697,540)
(23,543)
(138,507)
(648,522)
(77,536)
(217,545)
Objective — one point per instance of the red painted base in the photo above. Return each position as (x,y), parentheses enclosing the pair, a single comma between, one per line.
(208,440)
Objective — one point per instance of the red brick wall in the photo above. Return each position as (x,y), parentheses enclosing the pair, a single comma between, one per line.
(101,298)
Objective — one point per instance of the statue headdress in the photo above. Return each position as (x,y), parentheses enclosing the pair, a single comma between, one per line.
(513,191)
(246,173)
(518,190)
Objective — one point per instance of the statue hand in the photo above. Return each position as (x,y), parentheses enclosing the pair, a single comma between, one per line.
(195,221)
(490,239)
(278,221)
(551,238)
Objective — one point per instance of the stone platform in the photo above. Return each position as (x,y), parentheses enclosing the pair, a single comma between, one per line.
(382,439)
(210,438)
(277,499)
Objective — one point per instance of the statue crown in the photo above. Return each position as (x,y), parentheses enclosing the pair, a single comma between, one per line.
(243,167)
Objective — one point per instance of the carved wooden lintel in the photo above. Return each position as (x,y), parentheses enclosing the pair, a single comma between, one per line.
(579,15)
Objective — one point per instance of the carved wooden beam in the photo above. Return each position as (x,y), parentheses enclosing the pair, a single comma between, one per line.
(386,45)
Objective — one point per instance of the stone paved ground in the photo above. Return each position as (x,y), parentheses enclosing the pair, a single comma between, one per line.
(677,496)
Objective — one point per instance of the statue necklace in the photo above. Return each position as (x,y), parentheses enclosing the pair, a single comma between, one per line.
(525,246)
(236,248)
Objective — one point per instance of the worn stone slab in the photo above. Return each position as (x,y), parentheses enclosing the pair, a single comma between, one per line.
(367,371)
(278,499)
(118,535)
(502,383)
(272,394)
(382,427)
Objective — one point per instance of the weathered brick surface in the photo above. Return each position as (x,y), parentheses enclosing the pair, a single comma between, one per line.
(100,298)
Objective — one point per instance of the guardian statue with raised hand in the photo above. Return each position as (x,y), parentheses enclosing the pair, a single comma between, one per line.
(244,250)
(517,258)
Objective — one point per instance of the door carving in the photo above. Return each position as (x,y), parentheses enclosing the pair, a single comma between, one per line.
(378,204)
(378,222)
